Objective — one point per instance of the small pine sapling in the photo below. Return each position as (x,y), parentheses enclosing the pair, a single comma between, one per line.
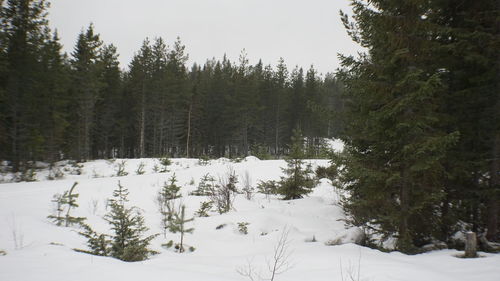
(120,169)
(204,160)
(224,193)
(204,208)
(299,181)
(166,202)
(140,169)
(267,187)
(165,162)
(207,183)
(28,175)
(66,202)
(243,227)
(55,173)
(178,225)
(128,225)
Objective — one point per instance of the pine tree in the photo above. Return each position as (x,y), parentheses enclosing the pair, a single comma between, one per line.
(65,203)
(24,22)
(299,181)
(178,225)
(86,89)
(394,143)
(166,202)
(127,243)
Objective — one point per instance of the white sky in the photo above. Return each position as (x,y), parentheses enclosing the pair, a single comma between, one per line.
(303,32)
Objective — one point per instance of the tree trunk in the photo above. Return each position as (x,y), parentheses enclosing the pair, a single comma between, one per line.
(493,208)
(471,245)
(142,124)
(188,129)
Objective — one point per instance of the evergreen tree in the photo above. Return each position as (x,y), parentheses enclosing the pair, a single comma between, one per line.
(178,225)
(299,181)
(23,23)
(414,161)
(87,85)
(166,203)
(106,133)
(127,243)
(64,203)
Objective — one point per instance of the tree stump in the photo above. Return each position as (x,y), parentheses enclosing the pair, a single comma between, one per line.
(471,245)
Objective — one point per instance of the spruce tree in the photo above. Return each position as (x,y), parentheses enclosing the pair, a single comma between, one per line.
(178,225)
(166,202)
(127,242)
(86,87)
(395,144)
(63,205)
(299,180)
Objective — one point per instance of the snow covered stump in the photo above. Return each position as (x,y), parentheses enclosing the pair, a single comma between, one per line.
(470,245)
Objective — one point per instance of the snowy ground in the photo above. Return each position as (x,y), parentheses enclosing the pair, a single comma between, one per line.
(38,250)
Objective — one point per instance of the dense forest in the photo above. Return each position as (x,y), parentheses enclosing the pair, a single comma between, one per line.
(84,106)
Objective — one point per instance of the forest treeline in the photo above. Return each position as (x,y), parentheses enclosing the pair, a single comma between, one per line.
(83,106)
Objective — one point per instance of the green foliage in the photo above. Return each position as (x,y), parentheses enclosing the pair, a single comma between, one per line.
(243,227)
(140,169)
(206,185)
(128,226)
(299,181)
(165,162)
(120,168)
(65,203)
(178,225)
(127,242)
(326,172)
(269,187)
(416,133)
(27,175)
(261,152)
(99,244)
(204,160)
(166,202)
(204,208)
(223,194)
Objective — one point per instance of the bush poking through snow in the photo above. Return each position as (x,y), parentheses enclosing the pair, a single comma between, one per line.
(204,208)
(55,173)
(204,160)
(207,183)
(128,225)
(224,193)
(278,264)
(64,203)
(140,169)
(247,189)
(165,162)
(28,175)
(267,187)
(120,169)
(243,227)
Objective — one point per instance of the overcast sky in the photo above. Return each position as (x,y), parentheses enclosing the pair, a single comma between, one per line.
(303,32)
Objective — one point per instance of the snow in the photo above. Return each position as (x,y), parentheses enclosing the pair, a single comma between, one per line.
(39,250)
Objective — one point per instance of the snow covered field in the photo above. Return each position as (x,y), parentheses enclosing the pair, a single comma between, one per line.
(38,250)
